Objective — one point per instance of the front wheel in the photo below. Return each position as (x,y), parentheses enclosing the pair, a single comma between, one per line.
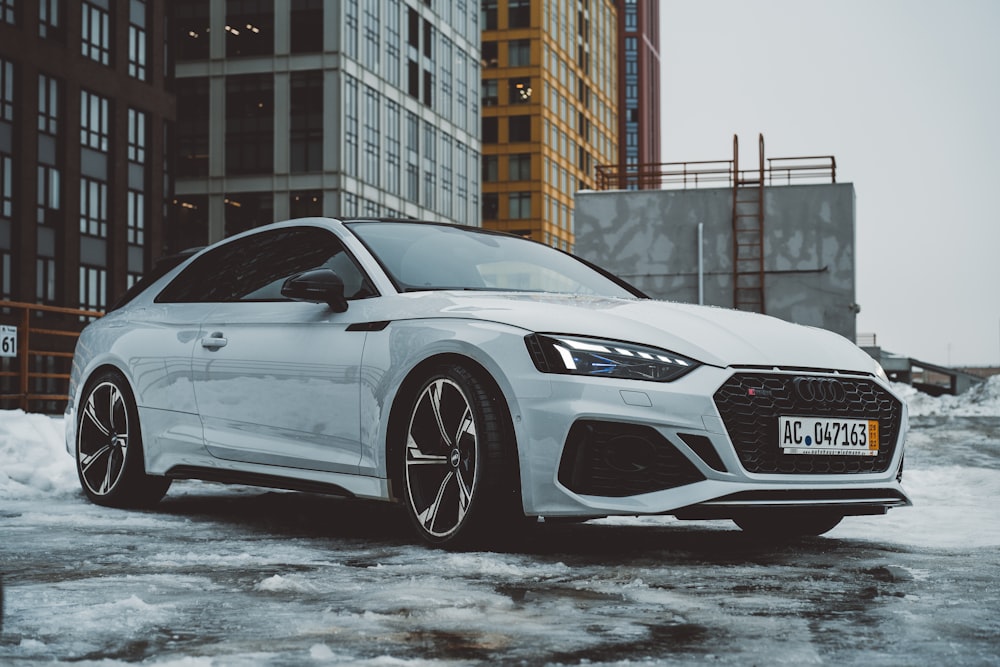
(459,461)
(787,523)
(109,458)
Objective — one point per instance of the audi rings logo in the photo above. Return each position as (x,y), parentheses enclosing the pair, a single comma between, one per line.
(820,390)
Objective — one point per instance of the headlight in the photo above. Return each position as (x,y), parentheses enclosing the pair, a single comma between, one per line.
(574,355)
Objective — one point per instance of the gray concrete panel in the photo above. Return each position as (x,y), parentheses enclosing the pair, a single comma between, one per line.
(649,238)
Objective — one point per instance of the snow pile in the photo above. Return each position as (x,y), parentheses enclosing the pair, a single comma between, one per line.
(983,400)
(33,458)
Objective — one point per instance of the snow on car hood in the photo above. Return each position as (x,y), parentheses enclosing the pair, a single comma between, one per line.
(711,335)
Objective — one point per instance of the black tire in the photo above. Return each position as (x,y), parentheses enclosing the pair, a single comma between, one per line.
(459,462)
(787,523)
(109,457)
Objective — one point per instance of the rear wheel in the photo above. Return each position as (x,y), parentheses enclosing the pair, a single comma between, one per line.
(787,523)
(109,457)
(459,461)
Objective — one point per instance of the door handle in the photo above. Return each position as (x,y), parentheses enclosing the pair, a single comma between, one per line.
(214,341)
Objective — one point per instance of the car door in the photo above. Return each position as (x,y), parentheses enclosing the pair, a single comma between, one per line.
(277,381)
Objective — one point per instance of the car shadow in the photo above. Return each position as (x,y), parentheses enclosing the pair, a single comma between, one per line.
(314,516)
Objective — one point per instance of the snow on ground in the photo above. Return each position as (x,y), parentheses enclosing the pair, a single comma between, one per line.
(34,463)
(983,400)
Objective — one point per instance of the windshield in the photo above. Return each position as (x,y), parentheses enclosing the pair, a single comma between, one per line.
(426,256)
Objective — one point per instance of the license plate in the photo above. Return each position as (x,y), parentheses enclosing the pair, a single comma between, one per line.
(822,435)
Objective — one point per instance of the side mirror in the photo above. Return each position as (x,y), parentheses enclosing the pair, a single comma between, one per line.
(317,286)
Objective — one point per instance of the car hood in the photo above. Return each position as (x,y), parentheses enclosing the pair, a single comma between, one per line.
(711,335)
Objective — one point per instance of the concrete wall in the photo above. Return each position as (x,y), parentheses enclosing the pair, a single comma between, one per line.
(649,238)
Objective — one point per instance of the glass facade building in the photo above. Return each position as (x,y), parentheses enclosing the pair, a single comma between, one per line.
(549,96)
(639,85)
(324,107)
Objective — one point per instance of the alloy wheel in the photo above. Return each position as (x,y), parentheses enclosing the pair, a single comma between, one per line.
(103,439)
(442,458)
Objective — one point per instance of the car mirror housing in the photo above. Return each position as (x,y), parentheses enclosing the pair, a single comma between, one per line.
(317,286)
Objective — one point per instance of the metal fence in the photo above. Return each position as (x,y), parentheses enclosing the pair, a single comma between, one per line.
(715,173)
(37,344)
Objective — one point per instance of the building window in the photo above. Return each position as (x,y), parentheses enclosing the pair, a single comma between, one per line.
(372,28)
(95,40)
(350,40)
(6,186)
(306,107)
(6,90)
(372,158)
(519,53)
(351,110)
(392,42)
(490,131)
(249,27)
(307,26)
(392,147)
(413,28)
(490,55)
(518,13)
(94,121)
(490,96)
(192,126)
(428,89)
(49,195)
(519,128)
(444,71)
(6,275)
(136,136)
(93,207)
(93,288)
(305,204)
(446,174)
(136,217)
(413,78)
(7,12)
(45,280)
(430,166)
(50,20)
(248,210)
(189,218)
(137,39)
(520,205)
(428,39)
(136,199)
(488,11)
(48,105)
(491,206)
(250,124)
(519,167)
(519,91)
(491,168)
(412,156)
(191,19)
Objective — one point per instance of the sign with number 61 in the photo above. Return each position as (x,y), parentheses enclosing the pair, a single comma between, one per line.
(8,341)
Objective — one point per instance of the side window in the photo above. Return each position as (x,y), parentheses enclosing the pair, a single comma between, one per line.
(255,267)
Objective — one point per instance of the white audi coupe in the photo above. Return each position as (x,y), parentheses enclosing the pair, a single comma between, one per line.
(478,379)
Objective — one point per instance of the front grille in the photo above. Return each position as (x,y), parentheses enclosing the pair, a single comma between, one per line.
(618,460)
(750,404)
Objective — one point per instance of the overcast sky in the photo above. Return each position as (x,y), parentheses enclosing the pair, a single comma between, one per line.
(906,95)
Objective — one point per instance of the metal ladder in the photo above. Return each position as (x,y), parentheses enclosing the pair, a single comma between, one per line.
(748,233)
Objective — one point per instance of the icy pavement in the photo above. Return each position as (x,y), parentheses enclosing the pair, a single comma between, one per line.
(234,576)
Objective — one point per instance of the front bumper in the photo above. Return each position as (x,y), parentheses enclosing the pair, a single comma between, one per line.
(720,461)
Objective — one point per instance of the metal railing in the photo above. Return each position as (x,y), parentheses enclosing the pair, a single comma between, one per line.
(715,173)
(37,379)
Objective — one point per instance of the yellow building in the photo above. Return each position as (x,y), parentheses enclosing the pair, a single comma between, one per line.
(549,111)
